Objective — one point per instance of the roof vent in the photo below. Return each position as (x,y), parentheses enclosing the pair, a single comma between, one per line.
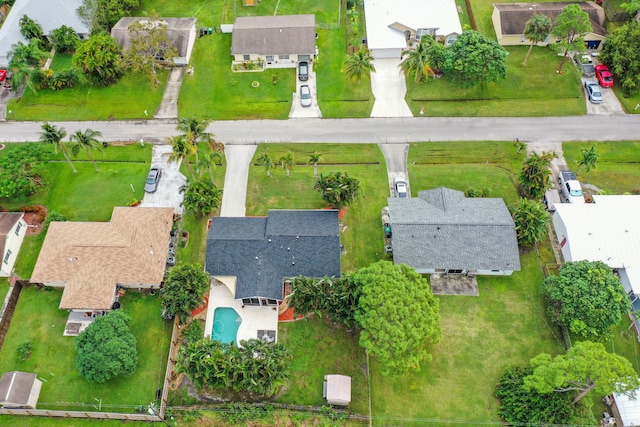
(269,240)
(256,257)
(288,249)
(297,237)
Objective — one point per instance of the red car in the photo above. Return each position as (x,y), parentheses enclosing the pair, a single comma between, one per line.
(604,76)
(3,75)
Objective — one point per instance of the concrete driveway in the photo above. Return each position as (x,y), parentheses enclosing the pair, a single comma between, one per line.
(389,88)
(610,102)
(168,193)
(234,197)
(297,110)
(395,156)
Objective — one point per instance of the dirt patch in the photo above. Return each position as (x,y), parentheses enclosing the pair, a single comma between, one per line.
(34,216)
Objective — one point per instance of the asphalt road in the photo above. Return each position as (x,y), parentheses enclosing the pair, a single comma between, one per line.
(370,130)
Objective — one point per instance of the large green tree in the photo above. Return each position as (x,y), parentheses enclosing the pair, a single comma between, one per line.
(104,14)
(586,297)
(65,39)
(531,220)
(51,134)
(536,30)
(586,366)
(570,26)
(150,47)
(358,65)
(183,290)
(416,62)
(519,406)
(107,348)
(534,178)
(398,314)
(474,59)
(200,197)
(86,141)
(620,52)
(99,59)
(338,189)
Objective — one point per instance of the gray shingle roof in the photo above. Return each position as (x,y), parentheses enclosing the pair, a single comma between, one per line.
(262,252)
(442,229)
(178,31)
(274,35)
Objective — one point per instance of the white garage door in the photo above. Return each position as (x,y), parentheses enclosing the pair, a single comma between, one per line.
(387,53)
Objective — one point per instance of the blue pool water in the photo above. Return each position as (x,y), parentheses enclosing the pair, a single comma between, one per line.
(226,322)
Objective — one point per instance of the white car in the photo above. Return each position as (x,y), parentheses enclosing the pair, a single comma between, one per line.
(400,187)
(305,96)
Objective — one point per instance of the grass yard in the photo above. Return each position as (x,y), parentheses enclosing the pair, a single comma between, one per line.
(524,93)
(618,167)
(9,421)
(61,62)
(364,162)
(4,288)
(319,348)
(54,356)
(91,103)
(482,10)
(630,104)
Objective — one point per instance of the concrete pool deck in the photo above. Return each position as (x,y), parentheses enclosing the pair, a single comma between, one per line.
(254,318)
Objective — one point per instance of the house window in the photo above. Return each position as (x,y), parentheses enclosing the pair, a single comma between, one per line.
(7,256)
(283,56)
(18,229)
(451,39)
(424,31)
(454,271)
(269,58)
(251,301)
(246,57)
(304,57)
(268,302)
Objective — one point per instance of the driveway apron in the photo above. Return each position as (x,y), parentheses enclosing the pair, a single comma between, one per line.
(389,88)
(234,196)
(168,193)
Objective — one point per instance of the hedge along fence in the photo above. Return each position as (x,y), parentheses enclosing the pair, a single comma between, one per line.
(8,307)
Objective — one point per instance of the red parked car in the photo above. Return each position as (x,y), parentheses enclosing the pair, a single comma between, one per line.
(3,75)
(604,76)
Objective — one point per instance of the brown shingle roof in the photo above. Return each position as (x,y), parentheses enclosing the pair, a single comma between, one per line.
(274,35)
(7,221)
(514,16)
(92,258)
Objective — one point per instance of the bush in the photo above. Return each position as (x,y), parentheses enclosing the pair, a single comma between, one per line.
(24,351)
(65,39)
(53,216)
(194,332)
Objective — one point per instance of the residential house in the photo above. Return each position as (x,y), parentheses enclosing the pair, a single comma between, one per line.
(396,25)
(13,228)
(276,41)
(442,231)
(19,390)
(250,260)
(180,31)
(50,14)
(626,409)
(509,20)
(92,261)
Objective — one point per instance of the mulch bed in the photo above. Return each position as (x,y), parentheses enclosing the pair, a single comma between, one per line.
(35,218)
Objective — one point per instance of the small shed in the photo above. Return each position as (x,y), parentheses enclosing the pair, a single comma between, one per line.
(337,389)
(19,390)
(626,409)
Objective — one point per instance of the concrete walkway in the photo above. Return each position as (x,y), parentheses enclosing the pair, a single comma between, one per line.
(168,193)
(169,106)
(234,196)
(389,88)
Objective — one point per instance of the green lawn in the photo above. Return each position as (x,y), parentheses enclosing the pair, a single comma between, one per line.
(630,103)
(4,288)
(524,93)
(91,103)
(482,10)
(364,162)
(61,62)
(54,356)
(618,167)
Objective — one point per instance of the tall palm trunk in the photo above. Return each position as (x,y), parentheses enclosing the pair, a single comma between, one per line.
(64,153)
(526,57)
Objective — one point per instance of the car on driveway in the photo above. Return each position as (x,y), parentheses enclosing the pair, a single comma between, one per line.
(303,71)
(152,180)
(604,75)
(305,96)
(3,75)
(593,91)
(400,187)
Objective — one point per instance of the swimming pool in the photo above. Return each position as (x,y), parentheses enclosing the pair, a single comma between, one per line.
(226,322)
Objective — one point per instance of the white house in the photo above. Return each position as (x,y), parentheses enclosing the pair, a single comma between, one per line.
(50,14)
(13,228)
(394,25)
(607,231)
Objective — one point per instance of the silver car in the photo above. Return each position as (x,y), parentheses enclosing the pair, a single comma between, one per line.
(152,180)
(593,91)
(305,96)
(400,187)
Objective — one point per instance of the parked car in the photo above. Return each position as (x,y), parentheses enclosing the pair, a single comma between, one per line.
(593,91)
(305,96)
(152,180)
(400,187)
(303,71)
(570,186)
(604,76)
(3,75)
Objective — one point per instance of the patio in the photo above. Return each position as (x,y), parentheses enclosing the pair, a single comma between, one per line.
(77,322)
(257,321)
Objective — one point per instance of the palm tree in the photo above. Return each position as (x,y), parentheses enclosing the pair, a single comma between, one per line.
(416,62)
(314,158)
(339,189)
(589,159)
(181,149)
(195,130)
(535,173)
(266,160)
(23,60)
(86,140)
(358,65)
(531,220)
(53,135)
(210,160)
(287,161)
(200,197)
(537,29)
